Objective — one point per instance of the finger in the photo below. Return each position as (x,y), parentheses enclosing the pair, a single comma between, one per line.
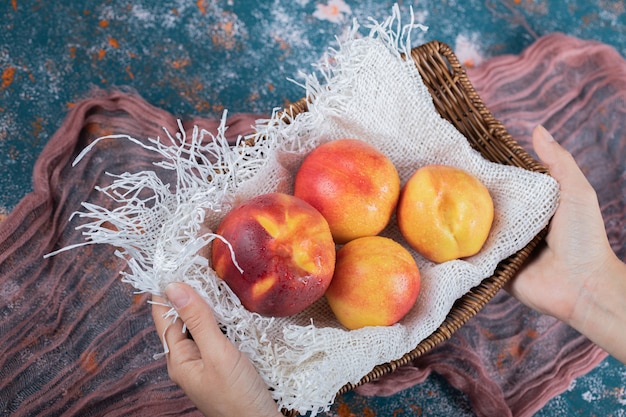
(558,160)
(177,348)
(196,314)
(159,310)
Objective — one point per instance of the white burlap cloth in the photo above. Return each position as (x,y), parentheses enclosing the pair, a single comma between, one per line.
(368,92)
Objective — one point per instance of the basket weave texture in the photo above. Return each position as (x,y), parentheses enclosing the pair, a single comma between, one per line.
(456,100)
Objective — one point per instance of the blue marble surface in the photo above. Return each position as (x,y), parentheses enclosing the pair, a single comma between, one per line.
(202,57)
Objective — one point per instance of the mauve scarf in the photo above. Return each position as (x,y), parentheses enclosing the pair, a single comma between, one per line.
(75,340)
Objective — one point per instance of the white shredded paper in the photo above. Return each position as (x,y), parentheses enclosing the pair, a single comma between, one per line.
(367,91)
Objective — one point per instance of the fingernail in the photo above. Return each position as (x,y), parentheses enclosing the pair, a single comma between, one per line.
(177,295)
(544,134)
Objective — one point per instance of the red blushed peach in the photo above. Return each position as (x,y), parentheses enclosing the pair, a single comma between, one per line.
(284,248)
(445,213)
(376,283)
(354,185)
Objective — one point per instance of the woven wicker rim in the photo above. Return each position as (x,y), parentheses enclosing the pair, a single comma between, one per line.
(456,100)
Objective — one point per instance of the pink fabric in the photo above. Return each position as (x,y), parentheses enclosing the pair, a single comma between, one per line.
(75,340)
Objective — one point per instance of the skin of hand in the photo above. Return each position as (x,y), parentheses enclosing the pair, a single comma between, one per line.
(215,375)
(577,277)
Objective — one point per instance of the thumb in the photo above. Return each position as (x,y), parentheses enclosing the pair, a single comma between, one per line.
(557,159)
(195,313)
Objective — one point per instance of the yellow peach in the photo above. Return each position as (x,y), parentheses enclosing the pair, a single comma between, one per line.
(376,282)
(445,213)
(354,185)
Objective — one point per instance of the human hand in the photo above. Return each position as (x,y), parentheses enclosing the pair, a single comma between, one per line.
(215,375)
(576,278)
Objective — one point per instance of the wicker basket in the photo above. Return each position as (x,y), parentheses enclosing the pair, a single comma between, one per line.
(456,100)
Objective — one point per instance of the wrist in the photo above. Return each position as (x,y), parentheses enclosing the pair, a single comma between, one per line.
(600,310)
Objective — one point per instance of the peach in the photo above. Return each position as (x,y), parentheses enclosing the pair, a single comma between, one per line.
(376,283)
(354,185)
(285,251)
(445,213)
